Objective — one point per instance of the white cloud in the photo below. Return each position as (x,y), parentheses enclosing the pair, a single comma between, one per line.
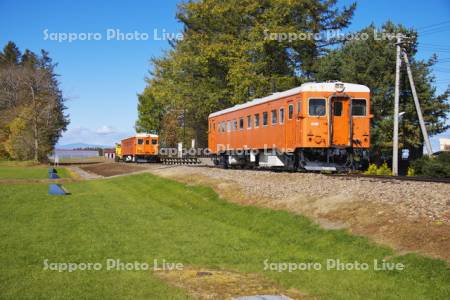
(104,135)
(105,130)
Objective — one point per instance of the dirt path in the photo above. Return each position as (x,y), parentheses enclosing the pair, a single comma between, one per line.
(111,169)
(82,174)
(120,169)
(220,284)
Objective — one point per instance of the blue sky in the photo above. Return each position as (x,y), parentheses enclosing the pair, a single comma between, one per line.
(101,78)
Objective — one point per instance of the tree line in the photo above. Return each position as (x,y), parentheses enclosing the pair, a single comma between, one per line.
(32,106)
(226,58)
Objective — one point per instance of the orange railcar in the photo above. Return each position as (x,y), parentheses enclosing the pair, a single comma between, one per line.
(140,147)
(317,126)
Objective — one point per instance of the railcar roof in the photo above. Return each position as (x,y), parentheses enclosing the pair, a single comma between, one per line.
(306,87)
(145,135)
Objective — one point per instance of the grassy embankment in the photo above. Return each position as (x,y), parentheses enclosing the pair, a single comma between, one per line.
(28,170)
(143,217)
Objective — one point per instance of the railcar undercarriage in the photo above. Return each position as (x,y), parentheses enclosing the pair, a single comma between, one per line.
(303,160)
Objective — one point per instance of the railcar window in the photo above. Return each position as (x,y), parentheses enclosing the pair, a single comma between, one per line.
(359,107)
(337,108)
(299,107)
(154,142)
(234,124)
(229,126)
(249,121)
(265,117)
(291,111)
(281,115)
(274,117)
(317,107)
(241,123)
(140,141)
(256,120)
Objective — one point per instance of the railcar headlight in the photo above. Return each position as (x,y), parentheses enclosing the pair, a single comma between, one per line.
(339,87)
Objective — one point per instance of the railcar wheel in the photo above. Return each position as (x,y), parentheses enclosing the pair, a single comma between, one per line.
(223,162)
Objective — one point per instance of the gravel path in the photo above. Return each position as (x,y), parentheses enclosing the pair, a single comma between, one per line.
(82,173)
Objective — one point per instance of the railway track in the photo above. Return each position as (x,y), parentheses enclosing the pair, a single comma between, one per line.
(194,162)
(180,161)
(391,178)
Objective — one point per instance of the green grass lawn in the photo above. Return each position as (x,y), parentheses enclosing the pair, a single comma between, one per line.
(143,217)
(27,170)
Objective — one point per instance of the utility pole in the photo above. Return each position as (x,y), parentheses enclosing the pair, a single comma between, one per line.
(396,106)
(416,102)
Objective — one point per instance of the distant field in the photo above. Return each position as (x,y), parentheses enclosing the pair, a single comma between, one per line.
(144,217)
(27,170)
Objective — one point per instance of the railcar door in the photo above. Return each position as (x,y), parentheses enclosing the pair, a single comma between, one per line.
(154,146)
(290,126)
(212,135)
(140,147)
(340,121)
(148,148)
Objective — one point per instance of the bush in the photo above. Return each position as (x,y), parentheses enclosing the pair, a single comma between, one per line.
(411,172)
(383,170)
(372,170)
(437,166)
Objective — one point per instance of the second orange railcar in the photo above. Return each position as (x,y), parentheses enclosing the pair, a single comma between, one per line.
(140,147)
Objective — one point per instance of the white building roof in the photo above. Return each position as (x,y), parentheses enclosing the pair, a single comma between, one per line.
(444,144)
(306,87)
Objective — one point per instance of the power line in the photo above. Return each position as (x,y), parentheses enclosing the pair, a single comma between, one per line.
(441,69)
(433,25)
(442,63)
(435,50)
(443,60)
(435,30)
(436,45)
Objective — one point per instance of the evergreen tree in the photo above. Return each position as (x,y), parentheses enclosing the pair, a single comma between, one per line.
(372,62)
(10,55)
